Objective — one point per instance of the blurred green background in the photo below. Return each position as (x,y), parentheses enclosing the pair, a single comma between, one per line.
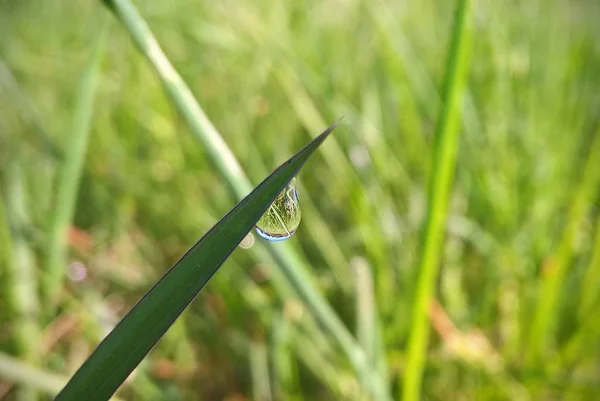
(523,219)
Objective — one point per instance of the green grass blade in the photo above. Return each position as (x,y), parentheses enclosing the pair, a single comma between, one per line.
(123,349)
(259,367)
(19,278)
(368,330)
(590,288)
(228,166)
(70,174)
(439,191)
(182,96)
(554,277)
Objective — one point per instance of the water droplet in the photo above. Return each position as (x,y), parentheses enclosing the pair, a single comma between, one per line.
(282,218)
(247,242)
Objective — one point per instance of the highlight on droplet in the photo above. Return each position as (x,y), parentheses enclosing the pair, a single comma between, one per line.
(282,218)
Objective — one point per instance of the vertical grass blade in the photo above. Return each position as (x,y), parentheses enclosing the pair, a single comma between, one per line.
(590,292)
(554,276)
(285,375)
(365,308)
(367,319)
(19,280)
(70,173)
(259,367)
(230,169)
(444,162)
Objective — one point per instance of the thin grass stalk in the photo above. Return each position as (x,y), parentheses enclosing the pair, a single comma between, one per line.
(444,162)
(368,328)
(554,276)
(259,367)
(311,118)
(285,384)
(20,284)
(285,332)
(70,174)
(27,111)
(230,169)
(591,290)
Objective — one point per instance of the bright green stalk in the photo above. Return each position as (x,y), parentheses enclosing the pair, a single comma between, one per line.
(230,169)
(447,136)
(70,175)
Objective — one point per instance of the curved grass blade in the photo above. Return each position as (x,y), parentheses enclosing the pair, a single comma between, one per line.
(123,349)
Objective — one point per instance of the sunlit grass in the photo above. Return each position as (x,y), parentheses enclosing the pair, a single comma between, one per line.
(268,75)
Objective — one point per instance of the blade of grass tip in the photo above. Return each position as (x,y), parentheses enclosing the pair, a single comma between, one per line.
(554,276)
(70,173)
(20,279)
(444,161)
(228,166)
(123,349)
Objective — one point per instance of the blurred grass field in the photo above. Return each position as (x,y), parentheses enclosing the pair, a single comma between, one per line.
(518,290)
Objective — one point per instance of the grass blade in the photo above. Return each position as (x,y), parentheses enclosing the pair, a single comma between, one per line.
(124,348)
(19,279)
(288,261)
(439,191)
(368,330)
(70,174)
(259,367)
(553,279)
(589,290)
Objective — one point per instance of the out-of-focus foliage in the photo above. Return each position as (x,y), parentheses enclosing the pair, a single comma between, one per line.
(522,238)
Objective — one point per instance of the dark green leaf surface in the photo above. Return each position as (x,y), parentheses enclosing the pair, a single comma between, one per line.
(124,348)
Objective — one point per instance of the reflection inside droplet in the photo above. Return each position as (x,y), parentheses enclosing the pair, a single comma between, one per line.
(282,218)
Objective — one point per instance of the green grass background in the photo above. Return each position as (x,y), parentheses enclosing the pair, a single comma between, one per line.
(518,289)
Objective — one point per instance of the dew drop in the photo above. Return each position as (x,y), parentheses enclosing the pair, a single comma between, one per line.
(282,218)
